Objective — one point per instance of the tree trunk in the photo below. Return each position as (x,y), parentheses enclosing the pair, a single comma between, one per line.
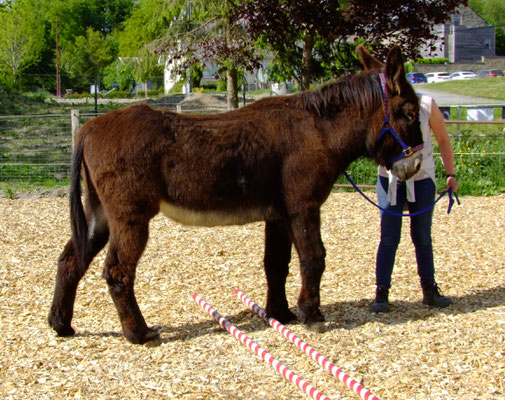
(232,88)
(231,73)
(306,78)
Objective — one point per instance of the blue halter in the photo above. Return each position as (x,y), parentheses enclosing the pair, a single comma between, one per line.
(386,126)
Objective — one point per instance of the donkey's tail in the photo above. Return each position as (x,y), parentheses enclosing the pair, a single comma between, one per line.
(78,218)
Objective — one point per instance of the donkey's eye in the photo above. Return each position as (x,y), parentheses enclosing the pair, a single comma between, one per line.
(411,115)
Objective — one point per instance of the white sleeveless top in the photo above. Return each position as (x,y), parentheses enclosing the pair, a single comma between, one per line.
(427,169)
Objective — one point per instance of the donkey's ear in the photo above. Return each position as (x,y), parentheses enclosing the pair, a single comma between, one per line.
(395,71)
(369,62)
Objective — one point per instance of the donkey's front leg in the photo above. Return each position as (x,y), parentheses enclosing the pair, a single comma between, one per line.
(306,233)
(277,257)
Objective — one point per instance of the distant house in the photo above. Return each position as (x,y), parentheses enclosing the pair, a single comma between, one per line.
(466,37)
(257,79)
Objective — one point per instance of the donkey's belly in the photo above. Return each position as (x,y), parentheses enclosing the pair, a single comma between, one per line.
(214,218)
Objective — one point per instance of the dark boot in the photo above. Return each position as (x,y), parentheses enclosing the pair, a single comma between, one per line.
(380,304)
(433,297)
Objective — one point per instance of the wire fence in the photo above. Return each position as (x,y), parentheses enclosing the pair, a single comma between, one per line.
(34,149)
(35,152)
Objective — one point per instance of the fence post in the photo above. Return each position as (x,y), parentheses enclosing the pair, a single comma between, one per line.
(74,118)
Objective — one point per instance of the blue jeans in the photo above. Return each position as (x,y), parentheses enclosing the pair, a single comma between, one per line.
(420,230)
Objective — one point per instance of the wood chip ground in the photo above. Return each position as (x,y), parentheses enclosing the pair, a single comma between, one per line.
(413,352)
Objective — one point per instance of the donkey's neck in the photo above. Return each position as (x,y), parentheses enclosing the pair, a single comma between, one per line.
(346,135)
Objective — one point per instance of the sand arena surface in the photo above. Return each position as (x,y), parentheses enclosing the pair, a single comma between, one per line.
(413,352)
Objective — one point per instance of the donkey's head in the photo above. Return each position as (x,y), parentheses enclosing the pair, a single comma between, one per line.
(395,137)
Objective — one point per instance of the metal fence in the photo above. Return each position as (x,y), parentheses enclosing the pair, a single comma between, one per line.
(35,151)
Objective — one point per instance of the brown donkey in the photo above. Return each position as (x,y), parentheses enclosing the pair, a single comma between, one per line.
(275,161)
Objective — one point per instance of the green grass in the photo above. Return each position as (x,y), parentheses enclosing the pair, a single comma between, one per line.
(490,88)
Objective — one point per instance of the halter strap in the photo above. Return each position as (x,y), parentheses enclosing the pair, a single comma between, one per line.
(387,211)
(384,95)
(386,126)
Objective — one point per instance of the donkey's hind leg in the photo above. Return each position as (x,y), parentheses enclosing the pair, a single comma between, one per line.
(127,242)
(70,272)
(277,257)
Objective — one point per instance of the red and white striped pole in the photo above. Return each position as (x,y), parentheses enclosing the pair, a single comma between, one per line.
(352,384)
(303,385)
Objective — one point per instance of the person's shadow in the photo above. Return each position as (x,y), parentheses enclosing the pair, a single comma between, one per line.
(353,314)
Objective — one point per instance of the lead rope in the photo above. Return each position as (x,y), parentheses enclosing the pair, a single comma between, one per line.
(451,201)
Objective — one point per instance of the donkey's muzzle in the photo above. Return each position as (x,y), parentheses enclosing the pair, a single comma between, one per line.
(407,167)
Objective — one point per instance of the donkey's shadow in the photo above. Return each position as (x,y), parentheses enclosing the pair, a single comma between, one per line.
(340,315)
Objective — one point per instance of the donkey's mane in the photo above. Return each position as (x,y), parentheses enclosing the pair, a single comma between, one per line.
(362,91)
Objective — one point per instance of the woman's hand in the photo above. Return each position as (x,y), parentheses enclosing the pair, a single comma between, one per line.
(452,184)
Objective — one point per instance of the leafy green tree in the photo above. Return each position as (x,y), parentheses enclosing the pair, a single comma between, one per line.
(148,21)
(88,56)
(145,67)
(76,16)
(29,27)
(21,39)
(120,73)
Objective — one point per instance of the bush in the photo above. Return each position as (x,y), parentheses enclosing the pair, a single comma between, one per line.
(209,86)
(432,61)
(118,94)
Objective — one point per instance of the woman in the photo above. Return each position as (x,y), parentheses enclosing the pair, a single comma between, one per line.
(417,193)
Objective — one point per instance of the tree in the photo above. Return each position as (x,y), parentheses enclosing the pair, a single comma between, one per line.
(144,67)
(308,37)
(88,56)
(205,32)
(148,21)
(120,73)
(76,16)
(21,40)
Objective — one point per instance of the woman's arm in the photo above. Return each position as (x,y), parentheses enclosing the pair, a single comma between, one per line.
(437,125)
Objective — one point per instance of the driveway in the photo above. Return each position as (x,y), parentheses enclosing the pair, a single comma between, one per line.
(446,99)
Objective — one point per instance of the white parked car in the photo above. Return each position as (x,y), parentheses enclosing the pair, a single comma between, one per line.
(438,77)
(459,75)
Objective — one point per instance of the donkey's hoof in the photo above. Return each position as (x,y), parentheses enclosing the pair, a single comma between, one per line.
(283,316)
(66,331)
(60,328)
(150,337)
(154,342)
(286,317)
(311,317)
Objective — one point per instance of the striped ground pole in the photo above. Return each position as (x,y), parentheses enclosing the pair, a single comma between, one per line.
(303,385)
(351,383)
